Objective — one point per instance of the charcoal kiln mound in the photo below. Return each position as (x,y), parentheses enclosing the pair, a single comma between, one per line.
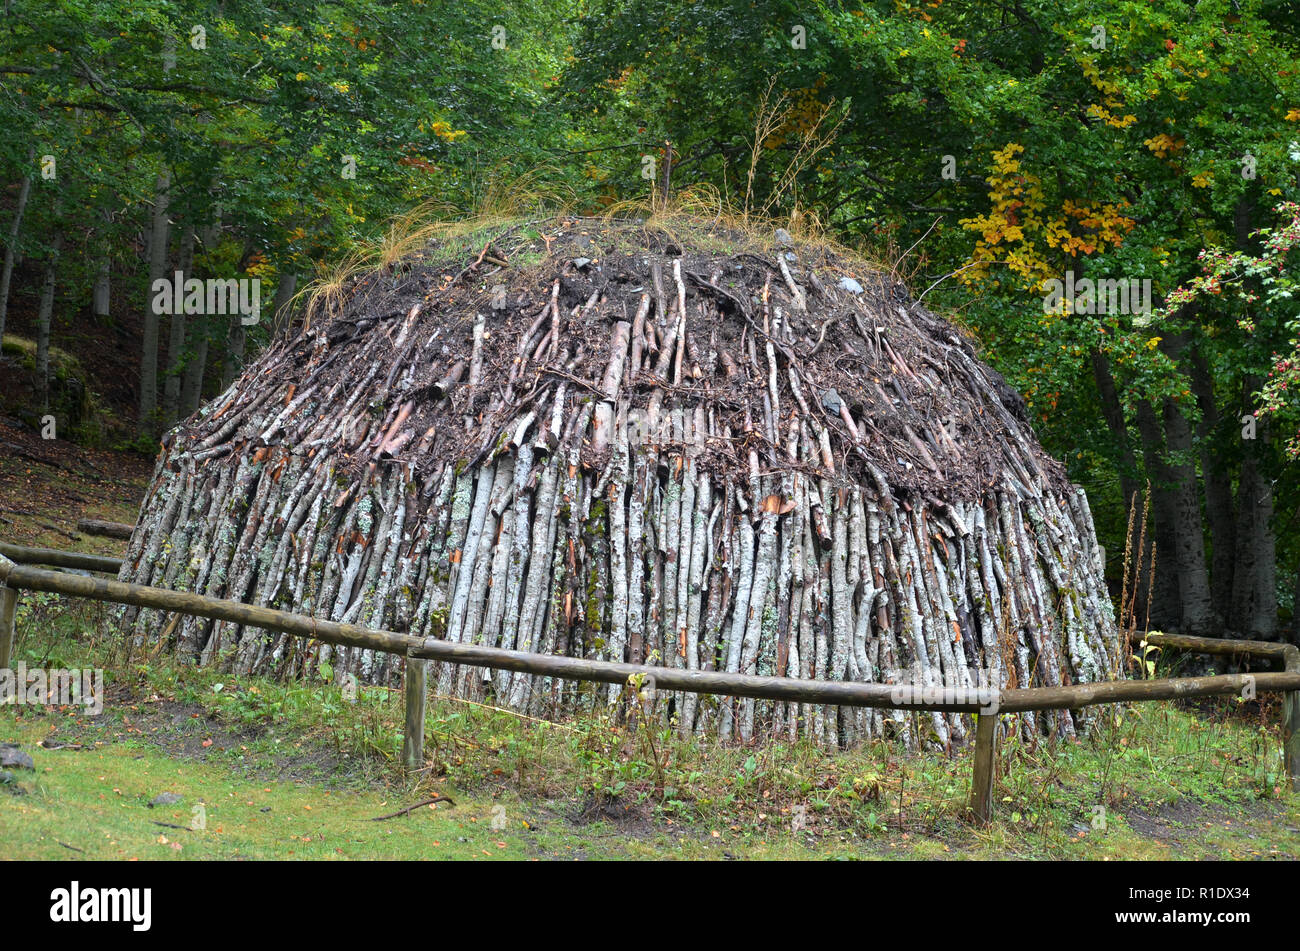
(673,446)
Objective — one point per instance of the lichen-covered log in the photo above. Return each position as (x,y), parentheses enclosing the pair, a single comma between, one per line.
(615,447)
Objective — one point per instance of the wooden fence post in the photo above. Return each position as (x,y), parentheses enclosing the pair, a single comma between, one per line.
(8,607)
(986,744)
(1291,723)
(417,688)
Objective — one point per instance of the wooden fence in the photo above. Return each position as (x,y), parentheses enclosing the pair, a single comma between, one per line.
(15,577)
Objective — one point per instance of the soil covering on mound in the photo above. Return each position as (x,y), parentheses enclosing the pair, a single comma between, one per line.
(668,445)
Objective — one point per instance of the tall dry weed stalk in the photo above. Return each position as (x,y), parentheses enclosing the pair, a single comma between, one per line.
(1134,564)
(772,116)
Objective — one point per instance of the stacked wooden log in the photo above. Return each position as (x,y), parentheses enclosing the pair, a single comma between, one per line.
(761,462)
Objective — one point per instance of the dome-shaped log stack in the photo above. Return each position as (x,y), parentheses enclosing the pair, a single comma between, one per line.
(589,438)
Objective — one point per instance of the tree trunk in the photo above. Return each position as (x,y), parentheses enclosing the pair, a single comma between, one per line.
(147,423)
(200,331)
(176,355)
(281,312)
(102,293)
(1254,589)
(11,249)
(1130,485)
(1218,490)
(1165,602)
(192,387)
(1198,615)
(235,343)
(1193,577)
(44,315)
(101,296)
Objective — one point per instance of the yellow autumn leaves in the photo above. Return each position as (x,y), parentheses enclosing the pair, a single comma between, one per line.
(1017,200)
(804,114)
(1016,233)
(1111,101)
(1116,122)
(1164,144)
(444,131)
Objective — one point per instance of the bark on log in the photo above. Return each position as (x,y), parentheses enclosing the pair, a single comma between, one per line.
(94,526)
(60,559)
(417,679)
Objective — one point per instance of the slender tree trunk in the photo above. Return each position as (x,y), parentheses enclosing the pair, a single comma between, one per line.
(235,343)
(1129,482)
(1189,531)
(158,234)
(192,387)
(1254,590)
(281,313)
(11,248)
(1193,576)
(1218,490)
(44,315)
(1165,603)
(102,293)
(200,330)
(176,355)
(101,296)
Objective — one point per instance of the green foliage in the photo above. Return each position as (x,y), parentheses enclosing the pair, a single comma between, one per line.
(1112,139)
(1259,291)
(289,135)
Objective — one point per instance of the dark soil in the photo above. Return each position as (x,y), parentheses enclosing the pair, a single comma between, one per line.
(1185,820)
(46,485)
(187,731)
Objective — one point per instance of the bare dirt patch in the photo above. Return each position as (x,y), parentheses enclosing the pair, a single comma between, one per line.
(186,731)
(46,485)
(1184,822)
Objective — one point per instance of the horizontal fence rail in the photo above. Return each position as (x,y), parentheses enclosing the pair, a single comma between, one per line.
(60,559)
(985,704)
(120,592)
(850,694)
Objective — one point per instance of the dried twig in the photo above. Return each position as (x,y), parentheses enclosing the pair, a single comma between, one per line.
(424,802)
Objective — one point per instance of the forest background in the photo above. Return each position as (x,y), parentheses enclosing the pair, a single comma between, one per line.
(982,150)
